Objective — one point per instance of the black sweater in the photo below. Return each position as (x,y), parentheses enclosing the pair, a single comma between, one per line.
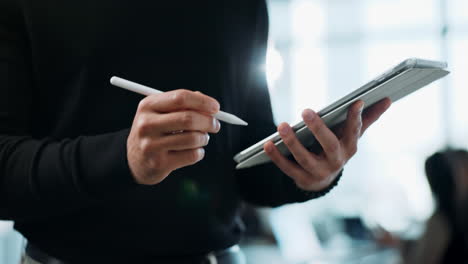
(64,177)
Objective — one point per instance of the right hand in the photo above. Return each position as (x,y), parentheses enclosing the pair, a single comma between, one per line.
(169,132)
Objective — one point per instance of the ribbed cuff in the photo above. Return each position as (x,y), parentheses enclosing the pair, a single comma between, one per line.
(317,194)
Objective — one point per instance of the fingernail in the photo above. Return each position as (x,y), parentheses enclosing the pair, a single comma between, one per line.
(217,125)
(284,130)
(308,115)
(201,151)
(207,138)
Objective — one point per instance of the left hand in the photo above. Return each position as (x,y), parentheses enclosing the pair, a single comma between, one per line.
(315,172)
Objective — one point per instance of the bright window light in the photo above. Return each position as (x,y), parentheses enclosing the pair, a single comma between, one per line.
(274,65)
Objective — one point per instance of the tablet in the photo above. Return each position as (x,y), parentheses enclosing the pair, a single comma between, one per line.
(401,80)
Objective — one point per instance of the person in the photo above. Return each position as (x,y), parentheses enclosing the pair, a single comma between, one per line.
(445,237)
(445,240)
(94,174)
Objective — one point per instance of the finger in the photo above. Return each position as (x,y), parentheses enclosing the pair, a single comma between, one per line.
(302,178)
(189,121)
(298,174)
(326,138)
(163,124)
(183,158)
(374,112)
(180,100)
(352,128)
(184,141)
(305,158)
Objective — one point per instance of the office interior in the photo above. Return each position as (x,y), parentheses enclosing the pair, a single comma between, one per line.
(319,50)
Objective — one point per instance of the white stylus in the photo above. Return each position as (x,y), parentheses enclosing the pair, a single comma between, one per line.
(145,90)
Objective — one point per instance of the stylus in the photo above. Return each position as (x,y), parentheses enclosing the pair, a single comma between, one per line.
(145,90)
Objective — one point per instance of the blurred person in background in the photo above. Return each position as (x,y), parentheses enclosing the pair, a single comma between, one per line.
(91,173)
(445,239)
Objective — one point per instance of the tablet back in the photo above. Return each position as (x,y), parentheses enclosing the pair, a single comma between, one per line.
(402,80)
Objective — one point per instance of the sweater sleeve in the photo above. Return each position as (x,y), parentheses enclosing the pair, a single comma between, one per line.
(44,177)
(265,185)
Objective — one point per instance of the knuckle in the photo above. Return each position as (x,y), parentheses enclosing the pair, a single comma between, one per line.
(157,162)
(187,119)
(146,146)
(143,124)
(180,97)
(144,104)
(334,146)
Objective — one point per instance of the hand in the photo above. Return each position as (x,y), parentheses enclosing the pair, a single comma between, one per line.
(169,132)
(314,172)
(385,238)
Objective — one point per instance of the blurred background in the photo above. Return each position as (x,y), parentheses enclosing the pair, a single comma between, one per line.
(320,50)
